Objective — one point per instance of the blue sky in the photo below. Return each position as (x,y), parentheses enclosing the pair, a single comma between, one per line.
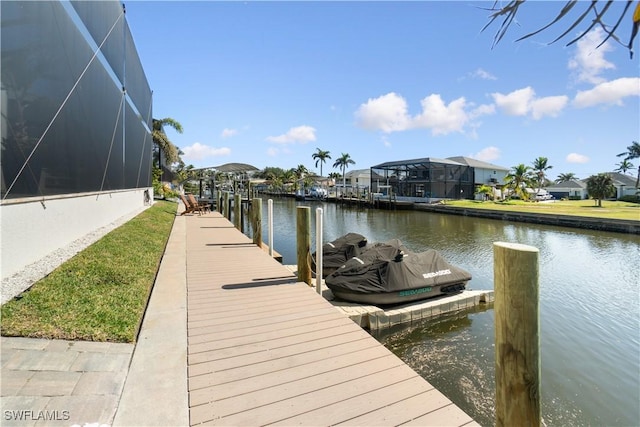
(267,83)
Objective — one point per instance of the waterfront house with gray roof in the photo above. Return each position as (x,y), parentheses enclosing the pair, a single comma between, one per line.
(430,179)
(577,189)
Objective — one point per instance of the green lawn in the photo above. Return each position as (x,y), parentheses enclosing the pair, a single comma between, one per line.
(101,293)
(609,209)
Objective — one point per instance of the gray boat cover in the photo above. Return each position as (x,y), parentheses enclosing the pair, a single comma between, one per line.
(337,252)
(390,267)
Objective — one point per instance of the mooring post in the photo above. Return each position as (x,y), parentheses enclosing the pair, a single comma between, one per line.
(227,210)
(303,238)
(256,221)
(270,225)
(517,334)
(319,250)
(237,206)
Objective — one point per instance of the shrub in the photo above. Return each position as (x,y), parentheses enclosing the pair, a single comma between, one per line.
(630,198)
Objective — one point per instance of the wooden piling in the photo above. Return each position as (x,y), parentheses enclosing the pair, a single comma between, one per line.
(256,221)
(303,240)
(227,210)
(517,334)
(237,206)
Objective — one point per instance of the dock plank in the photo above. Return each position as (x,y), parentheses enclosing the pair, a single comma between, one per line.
(402,411)
(275,404)
(363,403)
(266,349)
(297,379)
(244,371)
(275,353)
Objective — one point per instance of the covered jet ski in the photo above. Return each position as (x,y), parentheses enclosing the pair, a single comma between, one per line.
(387,273)
(337,252)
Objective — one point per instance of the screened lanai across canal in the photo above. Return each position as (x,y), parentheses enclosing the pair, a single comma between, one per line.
(427,178)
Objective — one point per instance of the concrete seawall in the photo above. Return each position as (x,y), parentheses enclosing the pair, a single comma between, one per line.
(591,223)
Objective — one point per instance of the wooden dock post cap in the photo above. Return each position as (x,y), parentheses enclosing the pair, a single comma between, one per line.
(516,246)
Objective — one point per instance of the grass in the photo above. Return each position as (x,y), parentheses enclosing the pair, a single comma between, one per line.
(609,209)
(101,293)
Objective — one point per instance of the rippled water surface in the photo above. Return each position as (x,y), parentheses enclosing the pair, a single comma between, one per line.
(589,310)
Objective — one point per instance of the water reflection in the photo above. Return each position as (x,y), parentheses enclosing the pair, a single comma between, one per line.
(455,354)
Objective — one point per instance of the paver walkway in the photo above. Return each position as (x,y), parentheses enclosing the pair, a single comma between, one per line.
(57,382)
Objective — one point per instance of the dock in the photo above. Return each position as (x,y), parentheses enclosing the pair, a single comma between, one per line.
(266,349)
(375,318)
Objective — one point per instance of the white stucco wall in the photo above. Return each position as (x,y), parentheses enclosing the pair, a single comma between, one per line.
(484,176)
(358,178)
(30,229)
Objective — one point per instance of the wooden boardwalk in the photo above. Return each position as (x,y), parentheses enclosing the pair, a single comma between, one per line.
(264,349)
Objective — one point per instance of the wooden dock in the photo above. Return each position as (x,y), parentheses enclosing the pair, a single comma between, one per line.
(265,349)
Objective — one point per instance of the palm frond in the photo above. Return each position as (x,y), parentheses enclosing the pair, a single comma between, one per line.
(508,12)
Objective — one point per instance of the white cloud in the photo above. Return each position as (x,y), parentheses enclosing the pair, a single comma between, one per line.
(482,110)
(548,106)
(442,119)
(487,154)
(482,74)
(301,134)
(387,113)
(608,93)
(588,61)
(198,151)
(272,152)
(226,132)
(523,102)
(576,158)
(515,103)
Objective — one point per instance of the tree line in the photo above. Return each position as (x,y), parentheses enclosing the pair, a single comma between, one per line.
(517,180)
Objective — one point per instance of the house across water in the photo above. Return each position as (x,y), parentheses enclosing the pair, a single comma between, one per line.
(577,189)
(430,179)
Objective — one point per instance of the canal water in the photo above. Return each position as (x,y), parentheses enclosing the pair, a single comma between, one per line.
(589,309)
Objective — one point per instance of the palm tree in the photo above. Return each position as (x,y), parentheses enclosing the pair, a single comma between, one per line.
(301,171)
(276,184)
(343,163)
(270,175)
(160,139)
(565,177)
(289,176)
(540,165)
(600,187)
(485,190)
(320,157)
(518,179)
(633,152)
(270,171)
(624,166)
